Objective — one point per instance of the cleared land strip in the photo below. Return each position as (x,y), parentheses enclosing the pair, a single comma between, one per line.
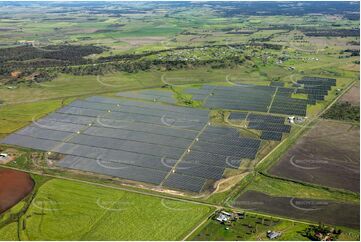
(273,98)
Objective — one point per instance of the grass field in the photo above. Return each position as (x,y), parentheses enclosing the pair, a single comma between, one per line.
(96,213)
(13,117)
(278,187)
(9,232)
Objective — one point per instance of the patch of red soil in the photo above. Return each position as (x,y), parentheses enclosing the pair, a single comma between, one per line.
(14,186)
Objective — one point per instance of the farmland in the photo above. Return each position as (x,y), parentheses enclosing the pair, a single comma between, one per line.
(51,213)
(326,149)
(141,121)
(305,209)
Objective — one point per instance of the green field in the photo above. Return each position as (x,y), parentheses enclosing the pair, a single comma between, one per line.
(66,210)
(279,187)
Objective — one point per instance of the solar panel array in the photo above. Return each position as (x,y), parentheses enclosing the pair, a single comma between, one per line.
(152,95)
(283,103)
(247,97)
(122,138)
(272,127)
(269,135)
(315,87)
(251,98)
(141,141)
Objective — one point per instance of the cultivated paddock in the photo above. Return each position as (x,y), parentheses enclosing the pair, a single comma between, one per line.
(327,155)
(314,210)
(352,96)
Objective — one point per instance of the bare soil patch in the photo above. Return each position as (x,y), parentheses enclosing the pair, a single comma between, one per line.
(328,212)
(328,154)
(14,186)
(352,96)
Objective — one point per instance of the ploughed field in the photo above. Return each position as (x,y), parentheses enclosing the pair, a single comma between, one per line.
(327,155)
(328,212)
(14,186)
(352,96)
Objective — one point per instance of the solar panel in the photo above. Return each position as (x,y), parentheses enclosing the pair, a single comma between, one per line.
(197,169)
(269,127)
(43,133)
(268,135)
(127,145)
(184,182)
(30,142)
(124,171)
(265,118)
(213,159)
(133,135)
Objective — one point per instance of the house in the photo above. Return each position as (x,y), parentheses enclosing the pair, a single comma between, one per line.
(222,218)
(273,234)
(227,214)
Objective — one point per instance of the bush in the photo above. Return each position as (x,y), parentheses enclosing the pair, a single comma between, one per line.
(343,111)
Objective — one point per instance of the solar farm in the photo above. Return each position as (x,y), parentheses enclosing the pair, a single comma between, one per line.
(147,142)
(143,136)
